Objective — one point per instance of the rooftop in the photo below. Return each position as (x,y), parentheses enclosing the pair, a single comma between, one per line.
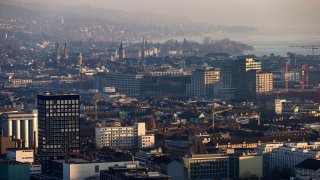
(10,162)
(311,164)
(48,93)
(19,149)
(73,161)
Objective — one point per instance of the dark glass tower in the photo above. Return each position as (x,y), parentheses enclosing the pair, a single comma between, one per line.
(58,126)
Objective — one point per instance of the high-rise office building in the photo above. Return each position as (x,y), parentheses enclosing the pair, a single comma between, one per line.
(264,82)
(202,82)
(226,75)
(58,118)
(240,69)
(258,82)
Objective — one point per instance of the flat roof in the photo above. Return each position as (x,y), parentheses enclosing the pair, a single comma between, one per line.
(19,149)
(10,162)
(74,161)
(48,93)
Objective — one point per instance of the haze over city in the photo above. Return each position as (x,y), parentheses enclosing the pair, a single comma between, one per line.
(159,89)
(281,15)
(277,23)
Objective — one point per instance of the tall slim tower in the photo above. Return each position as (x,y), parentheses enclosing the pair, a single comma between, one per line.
(58,53)
(65,51)
(121,51)
(286,75)
(143,49)
(80,59)
(58,126)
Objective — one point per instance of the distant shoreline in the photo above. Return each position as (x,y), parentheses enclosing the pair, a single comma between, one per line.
(265,43)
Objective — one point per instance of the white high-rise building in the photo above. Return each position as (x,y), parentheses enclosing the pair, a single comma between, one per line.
(124,137)
(21,125)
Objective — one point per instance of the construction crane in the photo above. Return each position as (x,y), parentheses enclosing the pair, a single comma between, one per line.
(214,112)
(312,47)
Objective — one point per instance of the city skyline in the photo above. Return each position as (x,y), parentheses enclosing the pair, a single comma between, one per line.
(159,89)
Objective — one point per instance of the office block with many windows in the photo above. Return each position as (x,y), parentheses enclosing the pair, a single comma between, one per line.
(58,118)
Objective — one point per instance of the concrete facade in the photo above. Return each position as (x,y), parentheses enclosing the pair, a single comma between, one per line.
(21,155)
(79,169)
(21,125)
(124,137)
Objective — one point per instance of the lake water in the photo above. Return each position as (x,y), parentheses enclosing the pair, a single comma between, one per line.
(267,43)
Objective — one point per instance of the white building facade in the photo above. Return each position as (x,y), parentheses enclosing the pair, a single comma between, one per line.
(78,169)
(22,126)
(124,137)
(24,156)
(290,154)
(20,155)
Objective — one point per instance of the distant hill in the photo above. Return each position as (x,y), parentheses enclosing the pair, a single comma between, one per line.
(105,24)
(38,10)
(13,11)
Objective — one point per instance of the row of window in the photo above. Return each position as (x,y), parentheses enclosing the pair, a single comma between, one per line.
(70,101)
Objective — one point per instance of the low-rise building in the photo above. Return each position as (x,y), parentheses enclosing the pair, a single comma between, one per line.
(20,155)
(14,170)
(308,169)
(80,169)
(21,81)
(289,155)
(202,166)
(216,166)
(131,172)
(250,166)
(122,82)
(146,141)
(24,156)
(5,143)
(278,105)
(35,168)
(124,137)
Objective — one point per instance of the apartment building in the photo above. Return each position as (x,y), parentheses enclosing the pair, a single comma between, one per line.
(124,137)
(286,156)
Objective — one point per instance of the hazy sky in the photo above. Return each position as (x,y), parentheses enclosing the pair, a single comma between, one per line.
(282,14)
(261,13)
